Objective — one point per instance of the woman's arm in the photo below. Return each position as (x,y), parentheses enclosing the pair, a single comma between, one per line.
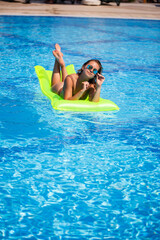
(99,80)
(68,89)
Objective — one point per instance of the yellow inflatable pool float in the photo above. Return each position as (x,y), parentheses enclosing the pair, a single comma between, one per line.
(59,103)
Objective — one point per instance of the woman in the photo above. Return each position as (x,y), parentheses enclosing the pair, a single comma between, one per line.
(86,82)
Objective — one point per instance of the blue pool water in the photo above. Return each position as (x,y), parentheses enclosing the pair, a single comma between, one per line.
(66,175)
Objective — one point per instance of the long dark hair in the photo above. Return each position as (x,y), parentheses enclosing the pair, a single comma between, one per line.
(92,80)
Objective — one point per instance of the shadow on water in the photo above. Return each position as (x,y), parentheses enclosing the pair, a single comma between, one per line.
(107,127)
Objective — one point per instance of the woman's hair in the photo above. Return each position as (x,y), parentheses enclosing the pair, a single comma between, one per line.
(92,80)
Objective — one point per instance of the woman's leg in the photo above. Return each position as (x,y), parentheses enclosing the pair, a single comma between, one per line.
(56,83)
(56,74)
(59,57)
(59,62)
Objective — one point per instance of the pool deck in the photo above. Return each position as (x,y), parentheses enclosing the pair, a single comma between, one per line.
(111,10)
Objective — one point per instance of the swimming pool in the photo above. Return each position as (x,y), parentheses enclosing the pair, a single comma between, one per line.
(68,175)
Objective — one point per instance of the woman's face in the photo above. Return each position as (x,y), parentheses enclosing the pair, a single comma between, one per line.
(91,69)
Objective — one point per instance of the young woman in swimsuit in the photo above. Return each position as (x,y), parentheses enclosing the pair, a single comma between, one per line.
(86,82)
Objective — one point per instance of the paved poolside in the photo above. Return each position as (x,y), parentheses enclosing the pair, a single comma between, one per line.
(111,10)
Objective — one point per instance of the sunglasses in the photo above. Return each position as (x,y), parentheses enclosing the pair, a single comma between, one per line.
(90,67)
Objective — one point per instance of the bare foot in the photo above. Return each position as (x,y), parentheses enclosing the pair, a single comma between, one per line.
(59,57)
(58,48)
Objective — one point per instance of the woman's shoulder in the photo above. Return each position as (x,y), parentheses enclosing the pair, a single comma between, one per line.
(71,79)
(73,76)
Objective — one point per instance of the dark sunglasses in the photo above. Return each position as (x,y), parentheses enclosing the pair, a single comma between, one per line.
(90,67)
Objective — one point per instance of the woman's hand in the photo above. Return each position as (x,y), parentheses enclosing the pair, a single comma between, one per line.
(85,86)
(99,80)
